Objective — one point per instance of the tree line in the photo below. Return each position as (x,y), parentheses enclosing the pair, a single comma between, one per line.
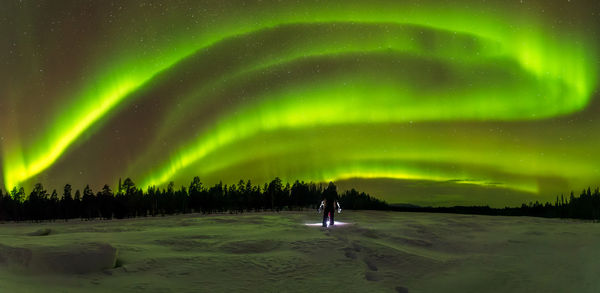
(585,206)
(130,201)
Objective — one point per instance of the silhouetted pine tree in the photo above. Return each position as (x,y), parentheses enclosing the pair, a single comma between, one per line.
(105,202)
(53,208)
(88,203)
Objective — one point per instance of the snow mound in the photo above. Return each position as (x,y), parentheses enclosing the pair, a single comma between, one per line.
(40,232)
(69,259)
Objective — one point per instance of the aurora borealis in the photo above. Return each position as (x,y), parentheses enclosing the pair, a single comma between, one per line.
(483,102)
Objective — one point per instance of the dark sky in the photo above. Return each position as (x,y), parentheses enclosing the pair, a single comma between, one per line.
(427,102)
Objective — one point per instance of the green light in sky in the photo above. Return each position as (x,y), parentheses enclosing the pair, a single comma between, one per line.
(544,74)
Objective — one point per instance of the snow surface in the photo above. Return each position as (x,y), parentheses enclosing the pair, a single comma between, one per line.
(279,252)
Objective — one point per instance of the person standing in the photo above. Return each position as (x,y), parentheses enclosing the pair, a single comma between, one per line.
(330,201)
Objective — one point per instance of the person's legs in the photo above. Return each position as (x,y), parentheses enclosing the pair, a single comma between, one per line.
(325,212)
(331,218)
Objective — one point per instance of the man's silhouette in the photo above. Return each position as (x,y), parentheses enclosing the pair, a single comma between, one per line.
(330,200)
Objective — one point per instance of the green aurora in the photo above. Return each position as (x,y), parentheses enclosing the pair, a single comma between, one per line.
(481,95)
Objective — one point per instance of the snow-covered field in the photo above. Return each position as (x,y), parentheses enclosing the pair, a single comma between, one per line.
(278,252)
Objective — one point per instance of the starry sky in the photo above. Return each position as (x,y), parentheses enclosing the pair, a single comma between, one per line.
(424,102)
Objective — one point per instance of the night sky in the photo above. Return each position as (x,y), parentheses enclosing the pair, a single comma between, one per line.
(424,102)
